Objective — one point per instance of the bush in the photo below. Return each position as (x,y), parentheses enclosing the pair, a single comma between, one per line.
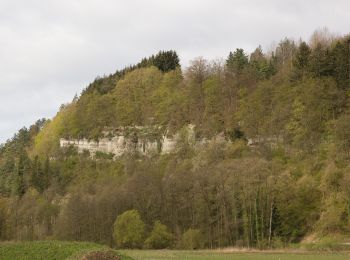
(326,244)
(160,237)
(277,242)
(129,230)
(102,155)
(191,239)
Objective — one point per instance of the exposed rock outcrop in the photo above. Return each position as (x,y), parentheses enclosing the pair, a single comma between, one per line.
(136,139)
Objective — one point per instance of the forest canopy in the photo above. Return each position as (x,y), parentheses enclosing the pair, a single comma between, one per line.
(275,167)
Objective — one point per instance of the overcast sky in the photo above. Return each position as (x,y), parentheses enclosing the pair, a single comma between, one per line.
(50,50)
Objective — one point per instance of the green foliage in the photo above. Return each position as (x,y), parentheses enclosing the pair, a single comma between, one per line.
(340,54)
(106,156)
(301,60)
(263,67)
(129,230)
(327,243)
(267,164)
(237,60)
(91,114)
(163,60)
(40,174)
(300,215)
(213,113)
(170,101)
(191,239)
(342,133)
(47,140)
(166,61)
(256,112)
(320,62)
(225,254)
(133,93)
(160,237)
(49,250)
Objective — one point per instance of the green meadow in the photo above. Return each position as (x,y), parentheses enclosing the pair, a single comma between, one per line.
(54,250)
(217,255)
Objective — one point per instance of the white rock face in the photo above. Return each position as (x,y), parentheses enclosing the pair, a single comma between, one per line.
(120,144)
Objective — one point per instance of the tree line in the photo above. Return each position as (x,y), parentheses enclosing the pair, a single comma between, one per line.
(274,168)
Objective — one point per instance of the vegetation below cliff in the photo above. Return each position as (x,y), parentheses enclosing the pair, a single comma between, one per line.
(292,180)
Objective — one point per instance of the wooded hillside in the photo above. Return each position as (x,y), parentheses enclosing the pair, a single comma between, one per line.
(291,180)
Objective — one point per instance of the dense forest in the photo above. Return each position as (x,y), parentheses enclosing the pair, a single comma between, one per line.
(275,167)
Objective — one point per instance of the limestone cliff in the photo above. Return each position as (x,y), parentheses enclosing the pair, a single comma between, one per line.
(136,139)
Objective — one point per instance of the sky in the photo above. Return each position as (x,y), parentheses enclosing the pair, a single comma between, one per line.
(51,50)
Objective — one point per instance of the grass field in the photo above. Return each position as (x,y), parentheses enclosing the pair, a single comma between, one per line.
(47,250)
(57,250)
(215,255)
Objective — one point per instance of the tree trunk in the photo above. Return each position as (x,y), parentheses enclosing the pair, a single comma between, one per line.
(257,223)
(270,224)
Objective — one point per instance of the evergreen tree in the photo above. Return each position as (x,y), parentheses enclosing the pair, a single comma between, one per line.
(301,60)
(341,60)
(262,67)
(22,170)
(237,61)
(320,62)
(166,60)
(39,178)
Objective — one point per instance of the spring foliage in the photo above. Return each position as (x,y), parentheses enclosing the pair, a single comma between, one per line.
(274,167)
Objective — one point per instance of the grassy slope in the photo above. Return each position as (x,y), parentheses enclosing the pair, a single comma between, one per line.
(48,250)
(215,255)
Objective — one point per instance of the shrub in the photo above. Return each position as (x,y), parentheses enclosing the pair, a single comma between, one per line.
(191,239)
(102,155)
(326,244)
(159,237)
(129,230)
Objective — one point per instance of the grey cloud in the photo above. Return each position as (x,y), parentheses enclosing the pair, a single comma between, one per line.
(50,50)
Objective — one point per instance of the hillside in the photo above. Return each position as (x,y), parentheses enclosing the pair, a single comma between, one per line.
(267,163)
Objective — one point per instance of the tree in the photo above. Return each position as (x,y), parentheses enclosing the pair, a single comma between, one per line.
(133,96)
(38,179)
(90,115)
(299,216)
(284,55)
(170,101)
(255,112)
(321,37)
(4,212)
(166,60)
(341,61)
(320,62)
(260,64)
(237,60)
(23,168)
(196,74)
(213,119)
(342,133)
(318,102)
(129,230)
(159,237)
(301,60)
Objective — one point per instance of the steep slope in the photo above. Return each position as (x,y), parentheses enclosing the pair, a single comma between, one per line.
(267,162)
